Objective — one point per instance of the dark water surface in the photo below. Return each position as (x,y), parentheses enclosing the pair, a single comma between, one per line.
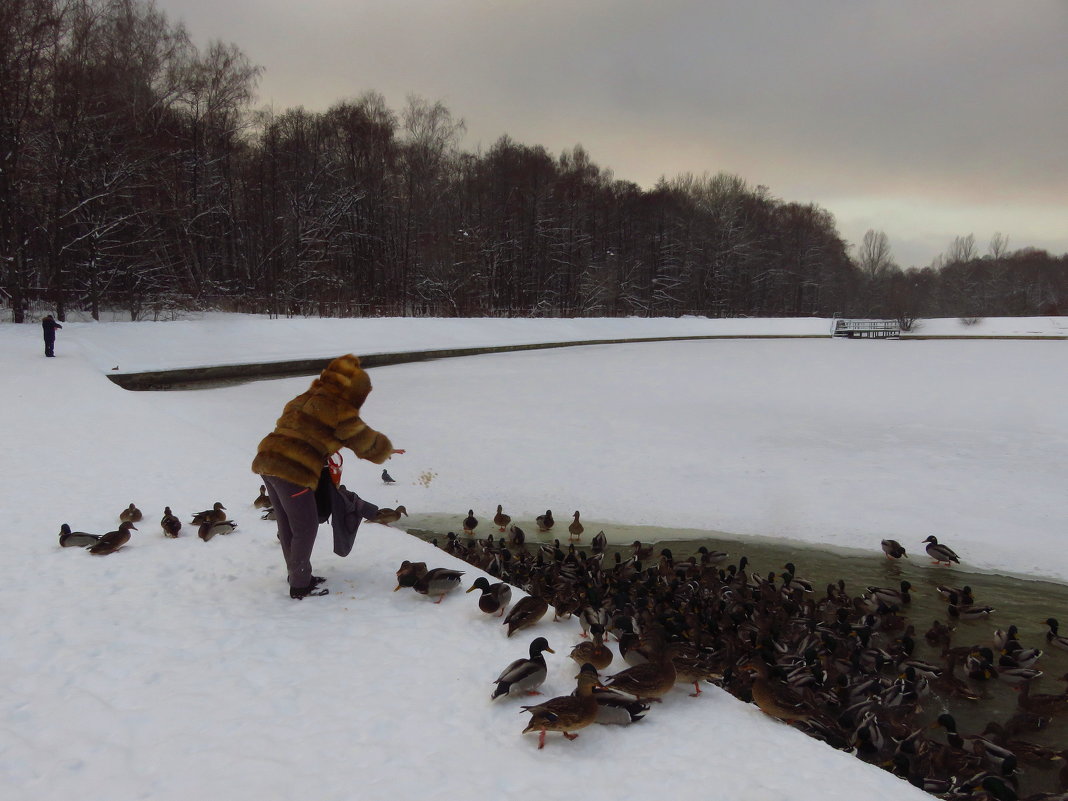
(1017,601)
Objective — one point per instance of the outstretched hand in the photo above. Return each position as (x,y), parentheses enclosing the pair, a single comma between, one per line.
(397,450)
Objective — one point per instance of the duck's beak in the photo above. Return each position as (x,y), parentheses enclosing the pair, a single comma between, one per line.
(469,590)
(396,588)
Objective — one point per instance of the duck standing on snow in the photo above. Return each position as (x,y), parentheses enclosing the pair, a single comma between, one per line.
(524,675)
(545,521)
(526,612)
(113,540)
(210,529)
(216,512)
(566,713)
(494,598)
(939,552)
(438,581)
(130,514)
(409,573)
(76,539)
(595,653)
(170,523)
(262,501)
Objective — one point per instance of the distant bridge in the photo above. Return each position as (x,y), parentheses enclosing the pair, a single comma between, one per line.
(881,329)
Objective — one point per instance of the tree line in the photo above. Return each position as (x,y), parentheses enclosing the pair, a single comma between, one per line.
(135,173)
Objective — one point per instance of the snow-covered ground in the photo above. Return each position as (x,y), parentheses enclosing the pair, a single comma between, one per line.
(178,668)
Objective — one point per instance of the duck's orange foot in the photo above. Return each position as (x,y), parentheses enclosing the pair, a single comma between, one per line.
(533,692)
(570,736)
(541,740)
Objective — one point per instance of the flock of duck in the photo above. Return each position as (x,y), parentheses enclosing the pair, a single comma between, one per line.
(209,523)
(841,666)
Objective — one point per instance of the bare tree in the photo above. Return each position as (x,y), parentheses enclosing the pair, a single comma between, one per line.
(961,250)
(998,247)
(873,255)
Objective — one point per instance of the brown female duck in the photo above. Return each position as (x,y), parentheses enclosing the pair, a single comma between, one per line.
(525,613)
(596,652)
(566,713)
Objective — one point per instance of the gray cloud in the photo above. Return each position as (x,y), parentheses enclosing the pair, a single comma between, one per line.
(955,105)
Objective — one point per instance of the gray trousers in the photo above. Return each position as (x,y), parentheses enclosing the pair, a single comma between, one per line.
(298,523)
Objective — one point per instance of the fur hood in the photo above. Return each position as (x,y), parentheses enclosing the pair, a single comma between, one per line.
(320,422)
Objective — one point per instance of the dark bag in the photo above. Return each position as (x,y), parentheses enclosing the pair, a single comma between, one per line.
(324,495)
(349,510)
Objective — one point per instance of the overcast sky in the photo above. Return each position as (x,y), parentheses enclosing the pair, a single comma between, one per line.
(926,120)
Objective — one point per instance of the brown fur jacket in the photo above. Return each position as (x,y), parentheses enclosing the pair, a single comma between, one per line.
(318,423)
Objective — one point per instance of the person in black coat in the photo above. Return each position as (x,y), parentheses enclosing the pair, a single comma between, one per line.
(50,325)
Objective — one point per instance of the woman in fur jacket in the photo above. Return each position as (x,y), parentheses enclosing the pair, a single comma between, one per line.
(314,425)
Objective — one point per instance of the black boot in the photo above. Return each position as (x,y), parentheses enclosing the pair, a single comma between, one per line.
(302,592)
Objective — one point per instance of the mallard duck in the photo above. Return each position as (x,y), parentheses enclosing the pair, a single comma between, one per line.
(525,613)
(408,573)
(470,522)
(618,709)
(1017,676)
(501,520)
(649,680)
(641,552)
(545,521)
(113,540)
(130,514)
(959,595)
(386,477)
(709,558)
(494,598)
(599,542)
(893,549)
(1025,750)
(890,597)
(524,675)
(566,713)
(765,698)
(516,536)
(76,539)
(593,614)
(692,666)
(209,529)
(386,515)
(596,652)
(262,500)
(438,581)
(170,523)
(1045,704)
(576,528)
(940,553)
(1053,636)
(970,611)
(216,512)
